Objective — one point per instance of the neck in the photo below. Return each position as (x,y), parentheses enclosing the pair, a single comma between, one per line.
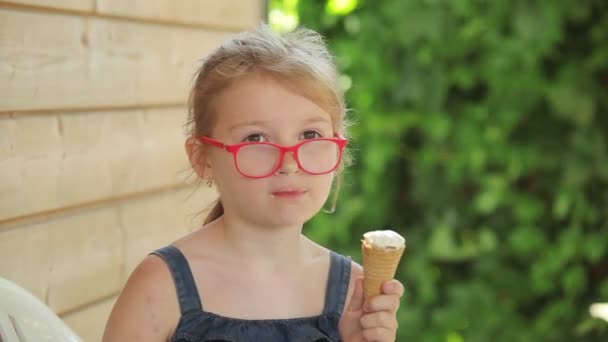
(264,246)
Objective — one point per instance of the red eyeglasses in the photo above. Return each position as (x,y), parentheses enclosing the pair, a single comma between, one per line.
(263,159)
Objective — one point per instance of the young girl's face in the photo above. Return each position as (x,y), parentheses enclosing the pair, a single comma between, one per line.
(260,108)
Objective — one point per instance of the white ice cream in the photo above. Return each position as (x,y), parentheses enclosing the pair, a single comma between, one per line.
(384,239)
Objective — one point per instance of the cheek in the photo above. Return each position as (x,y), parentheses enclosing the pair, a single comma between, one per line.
(231,183)
(323,185)
(223,166)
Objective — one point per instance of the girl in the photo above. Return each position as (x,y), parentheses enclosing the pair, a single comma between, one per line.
(267,123)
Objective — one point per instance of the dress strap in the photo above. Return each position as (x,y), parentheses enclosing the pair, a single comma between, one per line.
(337,283)
(187,294)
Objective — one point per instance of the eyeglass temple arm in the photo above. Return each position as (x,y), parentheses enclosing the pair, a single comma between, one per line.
(213,142)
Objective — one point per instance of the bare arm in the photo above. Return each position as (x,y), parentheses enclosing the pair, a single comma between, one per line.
(356,271)
(147,308)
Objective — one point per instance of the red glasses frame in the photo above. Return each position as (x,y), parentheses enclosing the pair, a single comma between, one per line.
(234,149)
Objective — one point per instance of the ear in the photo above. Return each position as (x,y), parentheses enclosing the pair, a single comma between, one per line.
(199,159)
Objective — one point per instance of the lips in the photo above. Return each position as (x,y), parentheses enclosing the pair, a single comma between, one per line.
(288,193)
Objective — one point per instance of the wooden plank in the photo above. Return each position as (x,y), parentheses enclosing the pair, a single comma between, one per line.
(24,258)
(86,254)
(54,161)
(75,260)
(89,323)
(182,212)
(78,5)
(231,15)
(236,14)
(65,61)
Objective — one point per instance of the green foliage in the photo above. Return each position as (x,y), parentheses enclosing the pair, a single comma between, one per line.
(283,15)
(481,135)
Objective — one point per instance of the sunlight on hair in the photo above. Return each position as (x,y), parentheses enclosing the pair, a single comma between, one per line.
(283,16)
(599,310)
(341,7)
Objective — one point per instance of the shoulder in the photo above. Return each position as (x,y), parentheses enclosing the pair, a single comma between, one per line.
(356,271)
(145,301)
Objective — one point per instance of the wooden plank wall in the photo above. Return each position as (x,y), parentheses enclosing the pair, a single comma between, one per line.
(93,174)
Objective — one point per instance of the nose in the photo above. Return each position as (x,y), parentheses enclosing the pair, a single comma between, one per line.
(289,164)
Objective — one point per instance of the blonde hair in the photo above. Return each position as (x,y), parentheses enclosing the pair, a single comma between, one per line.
(299,58)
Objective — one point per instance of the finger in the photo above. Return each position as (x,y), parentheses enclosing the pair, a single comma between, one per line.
(356,300)
(383,303)
(379,334)
(383,319)
(393,286)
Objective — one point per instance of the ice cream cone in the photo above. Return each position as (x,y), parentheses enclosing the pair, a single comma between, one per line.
(379,264)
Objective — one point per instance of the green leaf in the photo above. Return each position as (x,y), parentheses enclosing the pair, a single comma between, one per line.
(341,7)
(561,205)
(526,240)
(574,280)
(595,247)
(453,337)
(572,104)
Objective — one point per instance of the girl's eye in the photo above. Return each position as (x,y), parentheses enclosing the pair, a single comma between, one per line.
(254,138)
(311,135)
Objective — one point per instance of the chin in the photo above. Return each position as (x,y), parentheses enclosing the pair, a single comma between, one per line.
(287,217)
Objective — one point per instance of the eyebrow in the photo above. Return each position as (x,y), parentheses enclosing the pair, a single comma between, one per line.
(315,119)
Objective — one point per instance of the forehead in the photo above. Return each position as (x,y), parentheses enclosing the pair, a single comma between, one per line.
(260,97)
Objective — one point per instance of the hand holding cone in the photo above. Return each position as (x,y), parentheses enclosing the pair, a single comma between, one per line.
(382,251)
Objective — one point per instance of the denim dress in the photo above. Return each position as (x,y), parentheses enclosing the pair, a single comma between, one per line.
(198,325)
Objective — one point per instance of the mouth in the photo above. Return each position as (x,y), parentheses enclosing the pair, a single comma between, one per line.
(288,193)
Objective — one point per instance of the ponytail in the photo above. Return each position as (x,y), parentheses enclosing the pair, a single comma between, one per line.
(215,213)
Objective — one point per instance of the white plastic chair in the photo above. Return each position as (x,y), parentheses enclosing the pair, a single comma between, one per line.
(24,318)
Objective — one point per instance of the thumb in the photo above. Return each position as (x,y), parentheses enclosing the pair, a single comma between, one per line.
(356,300)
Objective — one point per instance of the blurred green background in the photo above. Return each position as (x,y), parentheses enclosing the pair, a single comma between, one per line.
(480,135)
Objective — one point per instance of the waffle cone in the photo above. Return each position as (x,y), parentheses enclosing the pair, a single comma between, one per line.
(379,266)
